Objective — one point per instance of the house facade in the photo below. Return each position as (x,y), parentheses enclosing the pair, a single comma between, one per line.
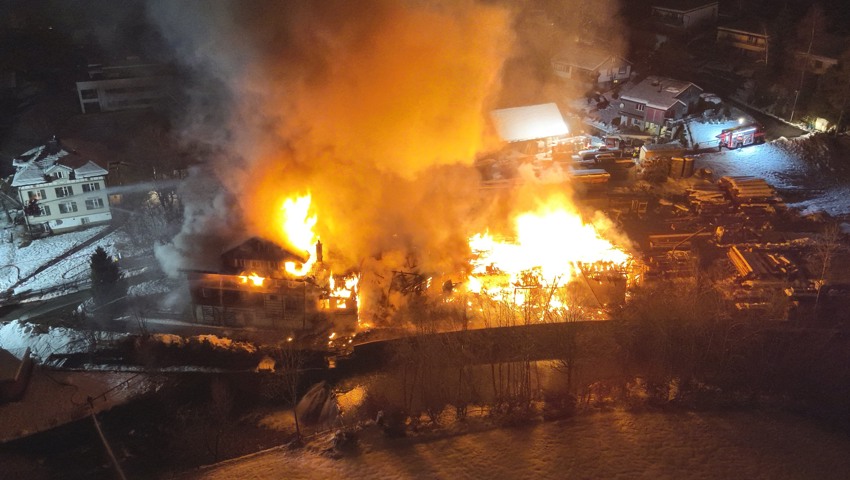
(684,15)
(650,104)
(745,38)
(252,288)
(591,66)
(60,191)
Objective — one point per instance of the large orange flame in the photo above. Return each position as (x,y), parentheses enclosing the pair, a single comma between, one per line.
(553,245)
(297,225)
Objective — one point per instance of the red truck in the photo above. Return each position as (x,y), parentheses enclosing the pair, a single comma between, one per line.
(741,136)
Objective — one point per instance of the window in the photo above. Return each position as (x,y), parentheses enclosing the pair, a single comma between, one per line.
(84,220)
(640,107)
(91,187)
(623,70)
(64,191)
(88,94)
(37,195)
(68,207)
(59,174)
(43,210)
(93,203)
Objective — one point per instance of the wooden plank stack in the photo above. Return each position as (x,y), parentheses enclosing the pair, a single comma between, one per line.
(751,194)
(709,199)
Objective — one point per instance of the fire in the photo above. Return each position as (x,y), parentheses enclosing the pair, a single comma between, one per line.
(339,294)
(297,225)
(255,279)
(552,247)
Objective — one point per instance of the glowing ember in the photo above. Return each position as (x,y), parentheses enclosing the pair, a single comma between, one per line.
(253,278)
(553,246)
(297,225)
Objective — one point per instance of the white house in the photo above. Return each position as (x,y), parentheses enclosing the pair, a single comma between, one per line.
(60,191)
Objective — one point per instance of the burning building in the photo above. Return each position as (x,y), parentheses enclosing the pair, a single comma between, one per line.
(385,147)
(256,287)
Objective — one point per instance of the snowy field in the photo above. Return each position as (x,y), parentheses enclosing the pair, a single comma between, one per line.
(779,162)
(614,445)
(18,262)
(27,259)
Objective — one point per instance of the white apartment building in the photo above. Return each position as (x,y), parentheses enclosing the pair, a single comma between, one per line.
(60,191)
(125,86)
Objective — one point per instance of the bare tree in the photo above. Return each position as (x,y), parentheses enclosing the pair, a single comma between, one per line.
(291,362)
(825,249)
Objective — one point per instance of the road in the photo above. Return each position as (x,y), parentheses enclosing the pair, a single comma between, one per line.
(43,308)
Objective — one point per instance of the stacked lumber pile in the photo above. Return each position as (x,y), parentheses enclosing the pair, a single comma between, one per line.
(709,199)
(761,265)
(674,264)
(676,241)
(751,194)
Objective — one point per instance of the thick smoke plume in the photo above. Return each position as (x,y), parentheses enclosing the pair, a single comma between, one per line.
(376,108)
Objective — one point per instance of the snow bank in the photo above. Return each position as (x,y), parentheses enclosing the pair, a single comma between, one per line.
(43,341)
(223,343)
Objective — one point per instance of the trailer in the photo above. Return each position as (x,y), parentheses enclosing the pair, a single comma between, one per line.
(741,136)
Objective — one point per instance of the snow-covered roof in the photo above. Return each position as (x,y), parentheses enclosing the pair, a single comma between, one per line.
(36,165)
(529,123)
(658,92)
(90,169)
(28,175)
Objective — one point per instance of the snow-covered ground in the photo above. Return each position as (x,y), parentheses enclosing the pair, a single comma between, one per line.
(43,341)
(18,262)
(704,131)
(780,162)
(623,445)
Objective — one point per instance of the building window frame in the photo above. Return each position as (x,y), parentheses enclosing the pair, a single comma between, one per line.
(68,207)
(37,195)
(91,187)
(94,203)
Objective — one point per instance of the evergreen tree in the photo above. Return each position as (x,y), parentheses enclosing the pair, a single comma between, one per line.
(107,282)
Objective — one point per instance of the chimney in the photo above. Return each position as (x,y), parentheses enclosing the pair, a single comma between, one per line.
(319,251)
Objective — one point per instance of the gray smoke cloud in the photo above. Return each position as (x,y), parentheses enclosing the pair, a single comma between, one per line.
(375,108)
